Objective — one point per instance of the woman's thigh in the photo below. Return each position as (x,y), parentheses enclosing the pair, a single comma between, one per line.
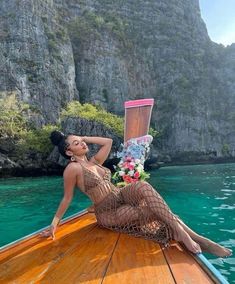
(135,193)
(119,216)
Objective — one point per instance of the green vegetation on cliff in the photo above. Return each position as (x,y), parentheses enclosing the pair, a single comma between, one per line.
(97,113)
(37,139)
(14,123)
(91,112)
(12,118)
(91,25)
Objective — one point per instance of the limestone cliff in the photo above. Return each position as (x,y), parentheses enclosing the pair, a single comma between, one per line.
(36,57)
(106,52)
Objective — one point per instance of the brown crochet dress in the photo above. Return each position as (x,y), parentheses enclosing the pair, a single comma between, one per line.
(136,209)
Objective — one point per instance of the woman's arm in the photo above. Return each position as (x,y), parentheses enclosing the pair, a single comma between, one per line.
(69,184)
(104,151)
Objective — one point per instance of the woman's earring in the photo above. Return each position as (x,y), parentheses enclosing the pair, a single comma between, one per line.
(72,159)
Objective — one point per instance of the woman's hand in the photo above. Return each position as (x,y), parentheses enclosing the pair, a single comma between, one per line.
(102,154)
(50,232)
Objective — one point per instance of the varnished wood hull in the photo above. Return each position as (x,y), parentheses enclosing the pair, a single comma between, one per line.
(85,253)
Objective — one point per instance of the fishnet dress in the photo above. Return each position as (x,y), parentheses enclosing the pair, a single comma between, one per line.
(136,209)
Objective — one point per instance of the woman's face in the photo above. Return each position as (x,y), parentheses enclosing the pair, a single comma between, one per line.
(76,146)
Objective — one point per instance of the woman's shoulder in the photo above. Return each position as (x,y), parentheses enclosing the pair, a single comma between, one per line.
(72,169)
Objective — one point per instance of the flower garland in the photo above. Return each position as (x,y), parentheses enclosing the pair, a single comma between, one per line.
(131,165)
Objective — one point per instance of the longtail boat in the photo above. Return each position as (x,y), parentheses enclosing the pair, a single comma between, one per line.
(85,253)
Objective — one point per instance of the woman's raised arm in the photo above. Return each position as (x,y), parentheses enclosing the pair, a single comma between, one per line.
(104,151)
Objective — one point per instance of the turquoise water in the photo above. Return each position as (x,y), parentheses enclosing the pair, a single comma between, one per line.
(202,195)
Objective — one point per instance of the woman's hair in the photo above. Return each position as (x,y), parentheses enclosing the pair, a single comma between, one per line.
(58,138)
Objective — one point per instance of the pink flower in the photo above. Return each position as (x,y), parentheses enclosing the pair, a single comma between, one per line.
(136,175)
(131,167)
(126,165)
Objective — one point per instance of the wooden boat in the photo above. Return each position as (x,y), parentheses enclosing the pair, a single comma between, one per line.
(85,253)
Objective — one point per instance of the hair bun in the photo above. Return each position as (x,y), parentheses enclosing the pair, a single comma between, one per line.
(56,137)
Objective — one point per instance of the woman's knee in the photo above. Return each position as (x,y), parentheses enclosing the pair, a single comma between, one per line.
(146,188)
(142,186)
(143,183)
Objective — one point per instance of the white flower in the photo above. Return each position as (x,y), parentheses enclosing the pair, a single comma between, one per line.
(137,161)
(122,169)
(131,173)
(121,173)
(140,168)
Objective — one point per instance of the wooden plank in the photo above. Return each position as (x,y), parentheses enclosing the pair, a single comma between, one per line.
(84,253)
(184,267)
(136,260)
(87,262)
(62,230)
(31,259)
(145,121)
(137,121)
(132,121)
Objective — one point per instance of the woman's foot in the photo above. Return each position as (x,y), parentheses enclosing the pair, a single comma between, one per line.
(188,242)
(214,248)
(206,244)
(191,245)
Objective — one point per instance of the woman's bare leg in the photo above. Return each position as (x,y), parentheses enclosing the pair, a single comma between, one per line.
(194,242)
(206,244)
(144,191)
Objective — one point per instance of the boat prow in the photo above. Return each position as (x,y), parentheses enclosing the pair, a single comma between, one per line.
(85,253)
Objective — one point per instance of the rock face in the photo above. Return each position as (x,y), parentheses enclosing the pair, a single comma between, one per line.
(106,52)
(34,163)
(36,57)
(84,127)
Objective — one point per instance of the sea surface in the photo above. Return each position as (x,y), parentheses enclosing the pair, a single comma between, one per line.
(202,195)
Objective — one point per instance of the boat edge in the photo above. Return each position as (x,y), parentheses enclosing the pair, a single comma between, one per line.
(25,238)
(210,269)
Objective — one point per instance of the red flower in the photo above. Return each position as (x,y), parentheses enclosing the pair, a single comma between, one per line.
(127,178)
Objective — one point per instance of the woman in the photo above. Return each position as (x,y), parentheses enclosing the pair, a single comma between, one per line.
(136,209)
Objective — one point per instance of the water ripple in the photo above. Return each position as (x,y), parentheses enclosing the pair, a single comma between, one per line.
(224,207)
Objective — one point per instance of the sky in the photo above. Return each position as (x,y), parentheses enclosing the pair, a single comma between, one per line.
(219,16)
